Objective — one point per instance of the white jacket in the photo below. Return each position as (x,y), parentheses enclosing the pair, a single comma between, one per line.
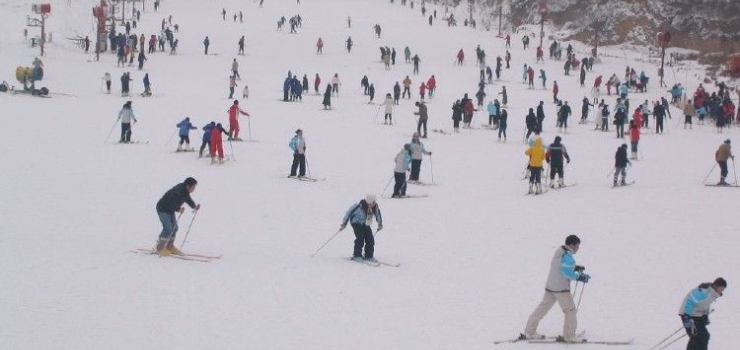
(388,105)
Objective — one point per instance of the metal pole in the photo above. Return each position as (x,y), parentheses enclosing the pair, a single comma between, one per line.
(189,227)
(111,131)
(666,339)
(327,242)
(710,173)
(386,186)
(431,167)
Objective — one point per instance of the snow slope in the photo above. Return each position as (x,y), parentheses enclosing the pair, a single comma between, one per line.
(474,254)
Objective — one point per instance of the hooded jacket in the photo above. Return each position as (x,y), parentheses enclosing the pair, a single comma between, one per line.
(536,153)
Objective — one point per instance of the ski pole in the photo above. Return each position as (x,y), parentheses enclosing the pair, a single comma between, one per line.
(710,173)
(111,131)
(431,167)
(580,296)
(189,227)
(671,343)
(609,174)
(386,186)
(231,145)
(170,139)
(377,112)
(666,339)
(327,242)
(733,170)
(249,127)
(308,169)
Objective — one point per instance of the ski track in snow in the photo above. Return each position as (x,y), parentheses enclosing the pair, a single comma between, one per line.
(474,254)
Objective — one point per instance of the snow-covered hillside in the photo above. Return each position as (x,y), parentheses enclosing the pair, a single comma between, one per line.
(474,254)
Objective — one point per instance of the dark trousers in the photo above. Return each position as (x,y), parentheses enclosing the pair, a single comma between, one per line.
(126,134)
(535,174)
(620,130)
(107,86)
(722,168)
(231,92)
(399,189)
(203,146)
(363,236)
(658,125)
(184,138)
(698,339)
(456,123)
(388,117)
(502,130)
(556,170)
(406,91)
(298,160)
(415,169)
(422,122)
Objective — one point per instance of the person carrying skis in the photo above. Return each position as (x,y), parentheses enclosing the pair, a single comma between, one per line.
(423,117)
(361,216)
(234,112)
(126,115)
(185,126)
(563,270)
(417,153)
(388,104)
(298,145)
(620,164)
(170,203)
(723,153)
(206,138)
(402,160)
(554,156)
(695,310)
(536,154)
(217,145)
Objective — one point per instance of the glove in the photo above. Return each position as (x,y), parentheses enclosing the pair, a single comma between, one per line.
(688,323)
(197,207)
(579,268)
(705,319)
(430,154)
(380,227)
(181,210)
(342,227)
(584,278)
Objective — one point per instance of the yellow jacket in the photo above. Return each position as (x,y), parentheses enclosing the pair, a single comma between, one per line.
(536,153)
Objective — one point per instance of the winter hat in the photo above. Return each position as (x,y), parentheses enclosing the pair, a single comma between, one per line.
(727,141)
(236,102)
(572,239)
(370,199)
(720,282)
(407,146)
(298,131)
(190,181)
(557,139)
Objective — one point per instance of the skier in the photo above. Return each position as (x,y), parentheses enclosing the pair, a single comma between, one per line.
(298,145)
(555,90)
(206,42)
(584,110)
(417,153)
(605,118)
(241,45)
(723,153)
(141,59)
(407,54)
(233,85)
(423,117)
(543,77)
(620,164)
(126,115)
(388,104)
(185,126)
(402,160)
(634,131)
(530,77)
(335,83)
(365,83)
(235,69)
(457,111)
(234,112)
(206,138)
(536,154)
(620,118)
(554,156)
(406,87)
(349,44)
(216,145)
(147,86)
(327,97)
(492,112)
(688,111)
(431,86)
(659,113)
(460,57)
(416,61)
(107,79)
(695,310)
(531,122)
(504,96)
(502,125)
(393,56)
(319,46)
(541,117)
(361,216)
(396,93)
(563,269)
(170,203)
(125,79)
(316,83)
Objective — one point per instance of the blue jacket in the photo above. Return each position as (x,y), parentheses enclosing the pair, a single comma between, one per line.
(356,214)
(492,109)
(623,89)
(185,127)
(676,91)
(286,84)
(699,300)
(207,132)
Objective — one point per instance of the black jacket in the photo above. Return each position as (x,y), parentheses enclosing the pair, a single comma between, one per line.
(555,154)
(620,159)
(174,199)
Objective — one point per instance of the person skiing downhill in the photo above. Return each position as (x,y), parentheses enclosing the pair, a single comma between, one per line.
(234,112)
(723,153)
(554,156)
(185,126)
(695,310)
(563,270)
(634,132)
(361,216)
(536,154)
(126,115)
(216,145)
(620,165)
(206,141)
(423,117)
(170,203)
(417,152)
(402,161)
(388,104)
(298,146)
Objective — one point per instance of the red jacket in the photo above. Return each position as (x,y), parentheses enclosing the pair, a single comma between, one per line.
(468,107)
(234,111)
(555,88)
(422,88)
(460,55)
(597,82)
(431,83)
(635,133)
(530,72)
(317,81)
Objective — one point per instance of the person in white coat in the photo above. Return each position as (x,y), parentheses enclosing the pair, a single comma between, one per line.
(402,160)
(388,103)
(126,115)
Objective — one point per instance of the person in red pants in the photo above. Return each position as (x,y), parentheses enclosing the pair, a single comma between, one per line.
(234,111)
(217,144)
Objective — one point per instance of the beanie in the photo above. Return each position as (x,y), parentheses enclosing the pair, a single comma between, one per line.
(572,239)
(190,181)
(370,199)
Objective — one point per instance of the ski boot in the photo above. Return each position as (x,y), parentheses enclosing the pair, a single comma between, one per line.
(539,189)
(531,189)
(162,247)
(171,247)
(561,183)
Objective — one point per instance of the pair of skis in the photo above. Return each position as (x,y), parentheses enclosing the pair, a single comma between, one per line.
(559,340)
(181,256)
(377,263)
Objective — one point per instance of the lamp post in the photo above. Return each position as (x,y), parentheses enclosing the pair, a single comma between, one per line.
(543,14)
